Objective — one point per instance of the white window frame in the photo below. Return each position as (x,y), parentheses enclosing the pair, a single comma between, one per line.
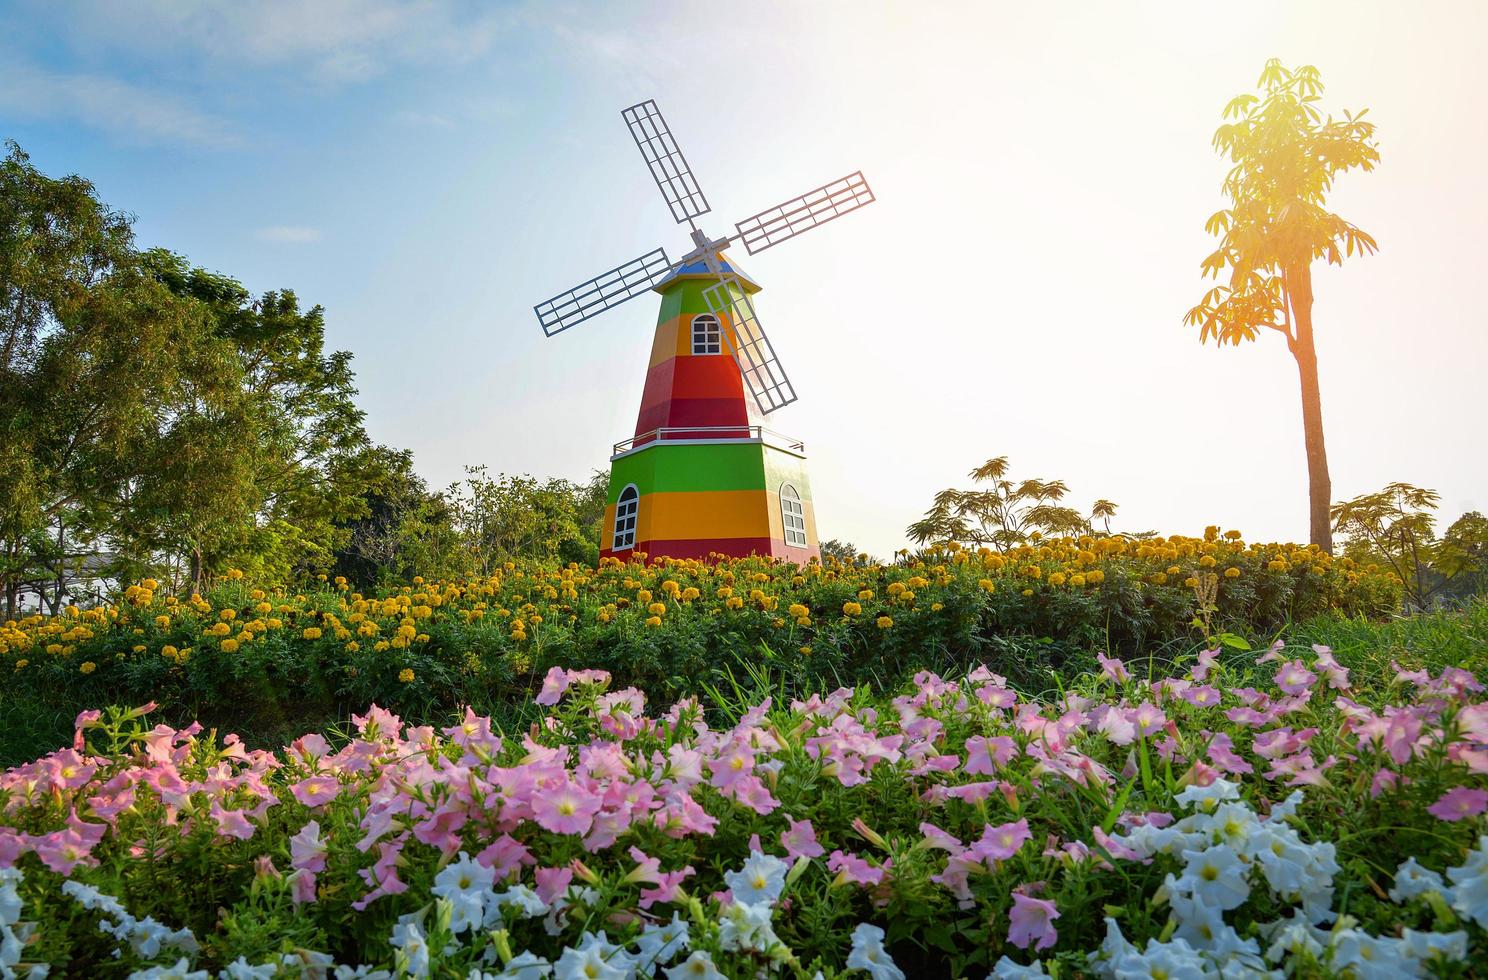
(627,511)
(707,334)
(792,516)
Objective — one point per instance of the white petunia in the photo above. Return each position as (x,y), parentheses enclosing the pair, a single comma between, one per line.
(868,954)
(698,966)
(586,964)
(1176,960)
(1006,969)
(1367,957)
(241,969)
(1412,880)
(1427,946)
(746,928)
(180,970)
(411,949)
(1215,876)
(663,942)
(760,881)
(524,966)
(1206,798)
(1470,881)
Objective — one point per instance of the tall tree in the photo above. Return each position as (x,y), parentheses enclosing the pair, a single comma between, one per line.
(1285,155)
(1003,513)
(90,347)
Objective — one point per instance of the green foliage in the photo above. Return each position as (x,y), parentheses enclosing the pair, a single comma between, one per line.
(1004,514)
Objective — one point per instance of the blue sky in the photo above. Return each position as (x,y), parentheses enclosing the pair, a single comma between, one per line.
(429,170)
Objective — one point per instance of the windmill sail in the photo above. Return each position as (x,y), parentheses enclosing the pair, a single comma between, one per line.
(789,219)
(603,292)
(668,166)
(746,340)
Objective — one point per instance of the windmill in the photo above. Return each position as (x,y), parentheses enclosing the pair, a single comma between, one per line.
(702,475)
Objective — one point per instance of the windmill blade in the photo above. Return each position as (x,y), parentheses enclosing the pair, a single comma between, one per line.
(762,373)
(603,292)
(668,166)
(787,220)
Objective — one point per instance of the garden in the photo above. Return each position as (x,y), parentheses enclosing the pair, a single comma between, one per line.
(273,707)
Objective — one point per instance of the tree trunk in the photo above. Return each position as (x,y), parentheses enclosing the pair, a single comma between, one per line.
(1319,485)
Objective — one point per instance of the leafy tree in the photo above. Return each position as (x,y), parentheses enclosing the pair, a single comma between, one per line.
(406,531)
(1462,553)
(1286,155)
(1004,514)
(505,517)
(91,346)
(1394,527)
(264,473)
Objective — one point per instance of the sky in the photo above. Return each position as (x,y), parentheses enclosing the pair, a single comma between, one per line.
(428,170)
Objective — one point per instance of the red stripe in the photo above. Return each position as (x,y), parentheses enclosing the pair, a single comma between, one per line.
(707,376)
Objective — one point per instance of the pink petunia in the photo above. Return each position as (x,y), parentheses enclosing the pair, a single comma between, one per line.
(1113,669)
(851,868)
(1002,842)
(565,808)
(307,852)
(1459,803)
(1294,677)
(316,791)
(668,887)
(1031,922)
(799,840)
(985,756)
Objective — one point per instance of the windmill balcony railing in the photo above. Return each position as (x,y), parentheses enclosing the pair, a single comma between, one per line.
(711,433)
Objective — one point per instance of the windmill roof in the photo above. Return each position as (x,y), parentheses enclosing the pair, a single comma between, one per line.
(698,269)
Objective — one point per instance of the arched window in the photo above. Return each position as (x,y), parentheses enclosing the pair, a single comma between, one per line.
(793,516)
(706,337)
(625,518)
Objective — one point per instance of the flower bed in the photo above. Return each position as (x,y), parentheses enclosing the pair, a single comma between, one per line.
(269,664)
(1245,815)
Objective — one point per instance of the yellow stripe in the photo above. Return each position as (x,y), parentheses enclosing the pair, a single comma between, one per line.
(714,514)
(664,346)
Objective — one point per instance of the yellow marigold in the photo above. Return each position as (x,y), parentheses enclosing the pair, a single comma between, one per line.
(312,633)
(895,588)
(228,615)
(234,574)
(229,646)
(690,593)
(1077,580)
(986,585)
(87,667)
(884,622)
(653,620)
(1174,570)
(656,609)
(162,622)
(168,651)
(353,647)
(406,675)
(1095,576)
(1208,561)
(852,609)
(1159,578)
(22,663)
(734,602)
(643,596)
(797,611)
(936,606)
(1191,582)
(1057,578)
(1232,572)
(806,651)
(724,592)
(866,595)
(1277,565)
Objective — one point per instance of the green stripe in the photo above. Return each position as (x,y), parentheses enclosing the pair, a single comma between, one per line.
(678,467)
(684,296)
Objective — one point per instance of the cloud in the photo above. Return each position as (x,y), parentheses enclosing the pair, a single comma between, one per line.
(330,41)
(128,110)
(295,234)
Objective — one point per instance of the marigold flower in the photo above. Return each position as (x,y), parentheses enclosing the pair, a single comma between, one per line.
(884,622)
(87,667)
(406,675)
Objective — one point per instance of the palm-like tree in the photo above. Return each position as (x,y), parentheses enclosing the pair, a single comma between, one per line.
(1285,155)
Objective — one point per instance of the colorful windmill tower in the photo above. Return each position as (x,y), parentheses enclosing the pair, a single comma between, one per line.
(702,475)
